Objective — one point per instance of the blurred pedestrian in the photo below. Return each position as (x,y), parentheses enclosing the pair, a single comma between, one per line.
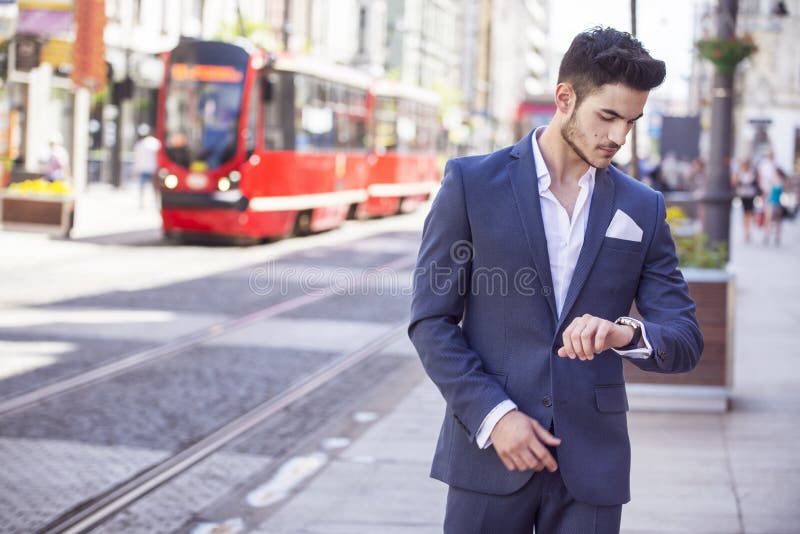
(655,179)
(56,159)
(145,160)
(536,357)
(696,177)
(745,186)
(774,209)
(767,172)
(670,172)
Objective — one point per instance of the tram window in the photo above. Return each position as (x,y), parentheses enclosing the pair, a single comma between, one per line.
(385,128)
(274,122)
(314,118)
(320,92)
(252,119)
(356,110)
(406,126)
(302,99)
(267,86)
(341,119)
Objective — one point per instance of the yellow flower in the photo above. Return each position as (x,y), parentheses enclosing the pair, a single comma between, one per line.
(675,215)
(40,186)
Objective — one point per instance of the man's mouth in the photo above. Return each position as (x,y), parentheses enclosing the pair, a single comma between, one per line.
(609,150)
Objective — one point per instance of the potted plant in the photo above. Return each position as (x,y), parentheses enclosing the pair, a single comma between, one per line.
(38,205)
(711,285)
(726,54)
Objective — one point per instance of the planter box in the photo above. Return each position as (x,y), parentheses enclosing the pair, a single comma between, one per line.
(707,387)
(52,214)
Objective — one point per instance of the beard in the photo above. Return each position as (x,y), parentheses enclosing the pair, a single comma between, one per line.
(571,133)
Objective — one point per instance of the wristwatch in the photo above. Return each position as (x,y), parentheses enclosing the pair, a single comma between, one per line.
(637,332)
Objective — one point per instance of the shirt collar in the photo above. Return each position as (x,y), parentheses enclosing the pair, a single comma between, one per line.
(543,175)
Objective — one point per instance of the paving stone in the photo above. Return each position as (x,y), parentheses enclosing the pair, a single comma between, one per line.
(42,478)
(171,506)
(296,334)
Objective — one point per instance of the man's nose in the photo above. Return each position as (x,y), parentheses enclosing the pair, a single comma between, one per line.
(618,133)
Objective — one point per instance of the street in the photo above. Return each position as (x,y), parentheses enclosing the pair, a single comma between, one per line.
(152,387)
(204,335)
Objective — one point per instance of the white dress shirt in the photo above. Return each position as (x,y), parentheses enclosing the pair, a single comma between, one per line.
(564,237)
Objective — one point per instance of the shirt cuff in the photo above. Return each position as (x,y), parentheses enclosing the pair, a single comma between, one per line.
(639,353)
(483,437)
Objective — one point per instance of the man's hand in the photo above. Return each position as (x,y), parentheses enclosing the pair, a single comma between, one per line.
(589,335)
(520,442)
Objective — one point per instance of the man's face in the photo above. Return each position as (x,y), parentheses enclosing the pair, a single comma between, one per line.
(600,123)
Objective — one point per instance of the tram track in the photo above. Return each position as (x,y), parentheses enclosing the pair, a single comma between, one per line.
(174,347)
(99,508)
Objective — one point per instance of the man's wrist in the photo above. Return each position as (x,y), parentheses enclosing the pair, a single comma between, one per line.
(483,437)
(635,329)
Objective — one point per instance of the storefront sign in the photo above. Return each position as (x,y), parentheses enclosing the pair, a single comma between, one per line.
(57,52)
(45,17)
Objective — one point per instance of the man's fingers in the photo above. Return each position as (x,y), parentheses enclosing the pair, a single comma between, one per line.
(567,348)
(587,339)
(546,436)
(512,459)
(507,462)
(543,455)
(527,459)
(568,337)
(578,343)
(539,450)
(600,338)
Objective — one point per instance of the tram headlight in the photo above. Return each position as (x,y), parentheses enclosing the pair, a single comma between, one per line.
(224,184)
(162,173)
(171,181)
(235,176)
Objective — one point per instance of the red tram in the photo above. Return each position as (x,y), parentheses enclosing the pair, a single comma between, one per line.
(404,126)
(532,113)
(258,146)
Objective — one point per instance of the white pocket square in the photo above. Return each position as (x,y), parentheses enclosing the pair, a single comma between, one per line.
(623,227)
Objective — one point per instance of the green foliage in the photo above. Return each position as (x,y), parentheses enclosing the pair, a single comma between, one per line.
(694,248)
(696,251)
(725,54)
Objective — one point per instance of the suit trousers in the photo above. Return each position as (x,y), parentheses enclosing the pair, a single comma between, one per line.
(543,504)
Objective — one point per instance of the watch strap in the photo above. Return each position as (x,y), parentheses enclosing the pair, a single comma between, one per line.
(637,332)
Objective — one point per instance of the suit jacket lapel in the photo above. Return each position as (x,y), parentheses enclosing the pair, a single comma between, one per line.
(522,175)
(601,211)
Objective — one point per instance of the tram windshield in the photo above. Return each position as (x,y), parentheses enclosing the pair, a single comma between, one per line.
(203,104)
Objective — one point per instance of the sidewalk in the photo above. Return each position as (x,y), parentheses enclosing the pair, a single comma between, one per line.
(692,473)
(104,210)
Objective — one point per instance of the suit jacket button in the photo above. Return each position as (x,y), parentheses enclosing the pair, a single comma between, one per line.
(547,401)
(660,353)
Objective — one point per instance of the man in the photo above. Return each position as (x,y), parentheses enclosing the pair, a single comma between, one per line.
(530,260)
(145,160)
(56,159)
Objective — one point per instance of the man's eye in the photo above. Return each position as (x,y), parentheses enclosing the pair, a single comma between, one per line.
(607,119)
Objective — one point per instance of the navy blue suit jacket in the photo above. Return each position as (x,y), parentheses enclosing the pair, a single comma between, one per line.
(484,321)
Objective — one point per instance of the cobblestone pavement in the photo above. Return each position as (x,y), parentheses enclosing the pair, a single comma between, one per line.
(353,456)
(68,306)
(730,473)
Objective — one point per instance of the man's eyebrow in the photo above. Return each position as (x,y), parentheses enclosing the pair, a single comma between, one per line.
(617,115)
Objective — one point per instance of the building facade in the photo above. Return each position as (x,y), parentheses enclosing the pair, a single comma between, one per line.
(483,57)
(768,114)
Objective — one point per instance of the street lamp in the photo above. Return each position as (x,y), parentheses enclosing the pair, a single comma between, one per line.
(716,196)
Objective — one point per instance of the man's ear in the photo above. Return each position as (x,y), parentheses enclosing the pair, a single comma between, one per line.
(565,98)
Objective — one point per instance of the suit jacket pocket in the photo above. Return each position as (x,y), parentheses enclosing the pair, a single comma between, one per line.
(622,245)
(611,399)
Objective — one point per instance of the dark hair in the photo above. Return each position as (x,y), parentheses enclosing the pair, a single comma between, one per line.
(601,56)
